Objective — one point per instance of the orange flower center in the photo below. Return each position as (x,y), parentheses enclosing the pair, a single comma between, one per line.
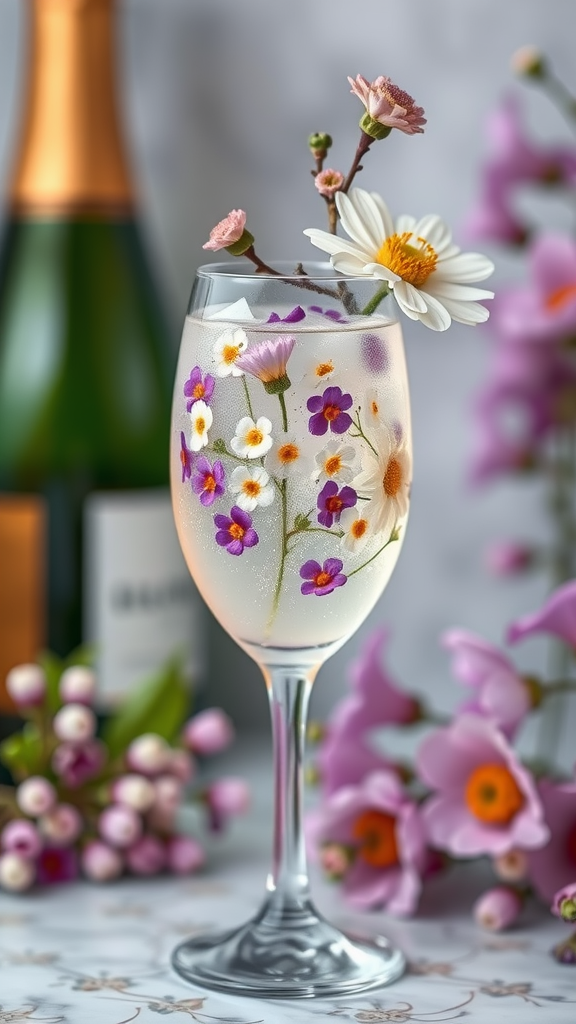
(209,483)
(331,412)
(392,481)
(359,527)
(230,353)
(288,453)
(334,504)
(323,369)
(183,457)
(412,263)
(236,531)
(252,488)
(200,425)
(375,408)
(492,794)
(199,391)
(322,579)
(560,297)
(376,833)
(333,465)
(254,437)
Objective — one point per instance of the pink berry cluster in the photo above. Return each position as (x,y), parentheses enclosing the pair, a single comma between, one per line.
(76,809)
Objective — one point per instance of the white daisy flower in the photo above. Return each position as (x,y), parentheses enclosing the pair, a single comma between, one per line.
(201,416)
(253,487)
(287,458)
(356,527)
(336,461)
(229,346)
(321,370)
(430,277)
(385,481)
(252,439)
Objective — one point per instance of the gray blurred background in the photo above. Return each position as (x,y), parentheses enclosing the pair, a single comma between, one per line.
(219,99)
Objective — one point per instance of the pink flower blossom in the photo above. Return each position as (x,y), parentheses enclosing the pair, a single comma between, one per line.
(554,864)
(35,795)
(77,685)
(484,800)
(77,763)
(26,685)
(383,829)
(227,231)
(22,837)
(556,617)
(497,691)
(383,702)
(17,873)
(497,908)
(268,362)
(100,862)
(74,723)
(564,902)
(543,311)
(345,759)
(389,105)
(119,825)
(208,732)
(225,798)
(508,558)
(328,182)
(147,856)
(184,854)
(148,754)
(62,825)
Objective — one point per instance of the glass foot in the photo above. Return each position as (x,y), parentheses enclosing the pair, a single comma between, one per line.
(291,959)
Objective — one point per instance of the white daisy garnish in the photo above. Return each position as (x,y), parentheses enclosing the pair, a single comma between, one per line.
(385,481)
(253,487)
(322,370)
(336,461)
(201,416)
(287,458)
(356,527)
(429,276)
(229,346)
(252,439)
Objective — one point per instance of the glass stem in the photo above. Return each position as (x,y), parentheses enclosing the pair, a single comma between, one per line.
(287,885)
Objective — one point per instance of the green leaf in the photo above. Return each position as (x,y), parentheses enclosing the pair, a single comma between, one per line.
(22,752)
(301,522)
(159,705)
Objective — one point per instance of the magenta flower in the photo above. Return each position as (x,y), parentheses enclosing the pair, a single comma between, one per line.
(198,388)
(209,480)
(515,158)
(497,908)
(186,458)
(332,502)
(293,317)
(227,231)
(508,558)
(557,617)
(268,362)
(57,864)
(328,182)
(544,310)
(497,691)
(564,902)
(22,837)
(329,411)
(382,829)
(484,801)
(235,532)
(322,579)
(554,864)
(388,105)
(76,764)
(343,758)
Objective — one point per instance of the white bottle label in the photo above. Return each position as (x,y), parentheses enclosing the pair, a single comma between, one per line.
(141,606)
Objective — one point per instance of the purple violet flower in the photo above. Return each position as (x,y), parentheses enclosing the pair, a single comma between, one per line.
(235,532)
(293,317)
(322,579)
(329,411)
(209,480)
(332,502)
(186,458)
(198,388)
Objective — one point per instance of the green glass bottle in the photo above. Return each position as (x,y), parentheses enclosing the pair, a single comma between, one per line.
(88,550)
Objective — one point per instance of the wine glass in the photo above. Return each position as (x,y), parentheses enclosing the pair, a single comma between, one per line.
(290,469)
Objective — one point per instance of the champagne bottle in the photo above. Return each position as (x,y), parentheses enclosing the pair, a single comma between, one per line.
(88,549)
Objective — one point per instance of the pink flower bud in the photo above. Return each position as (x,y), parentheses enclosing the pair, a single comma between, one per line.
(182,765)
(100,862)
(74,723)
(497,908)
(16,873)
(26,684)
(120,825)
(75,763)
(149,754)
(185,855)
(62,825)
(35,796)
(226,797)
(168,796)
(134,791)
(77,685)
(227,231)
(208,732)
(511,866)
(22,837)
(335,860)
(147,856)
(329,182)
(564,902)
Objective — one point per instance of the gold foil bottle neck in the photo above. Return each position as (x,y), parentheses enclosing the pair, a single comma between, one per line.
(71,157)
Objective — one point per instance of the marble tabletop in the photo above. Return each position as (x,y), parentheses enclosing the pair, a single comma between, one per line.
(83,953)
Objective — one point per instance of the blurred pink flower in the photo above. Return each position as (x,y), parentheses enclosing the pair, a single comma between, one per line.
(77,763)
(227,231)
(100,862)
(543,311)
(554,865)
(384,833)
(26,685)
(184,855)
(225,798)
(328,182)
(556,617)
(344,760)
(389,105)
(516,158)
(508,557)
(22,837)
(564,902)
(208,732)
(57,864)
(497,908)
(147,856)
(485,801)
(498,692)
(491,218)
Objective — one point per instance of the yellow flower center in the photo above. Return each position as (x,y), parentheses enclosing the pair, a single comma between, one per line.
(331,412)
(333,465)
(376,832)
(412,263)
(359,527)
(560,297)
(200,425)
(209,483)
(199,391)
(392,481)
(492,794)
(230,353)
(236,531)
(288,453)
(251,488)
(323,369)
(254,437)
